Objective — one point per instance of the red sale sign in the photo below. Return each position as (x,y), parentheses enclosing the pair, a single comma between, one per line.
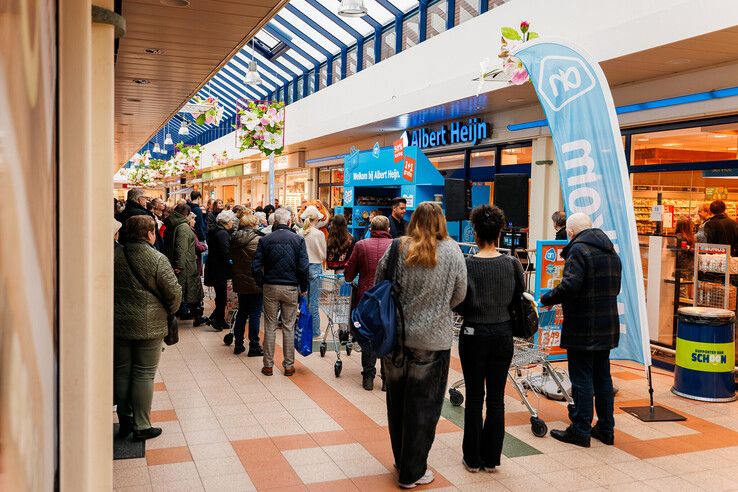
(399,148)
(408,169)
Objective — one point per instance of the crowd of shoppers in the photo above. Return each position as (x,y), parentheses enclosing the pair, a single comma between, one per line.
(158,273)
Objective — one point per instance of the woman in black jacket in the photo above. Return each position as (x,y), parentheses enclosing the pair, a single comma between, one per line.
(218,266)
(250,299)
(486,339)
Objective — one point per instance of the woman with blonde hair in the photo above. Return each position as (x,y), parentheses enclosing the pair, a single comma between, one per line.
(250,299)
(317,252)
(430,278)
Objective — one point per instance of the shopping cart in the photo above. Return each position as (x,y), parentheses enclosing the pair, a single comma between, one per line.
(335,303)
(231,312)
(526,357)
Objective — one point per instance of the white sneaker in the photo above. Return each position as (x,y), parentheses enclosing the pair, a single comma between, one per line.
(427,478)
(470,469)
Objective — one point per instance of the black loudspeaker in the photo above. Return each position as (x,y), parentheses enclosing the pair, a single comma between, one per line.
(511,195)
(457,199)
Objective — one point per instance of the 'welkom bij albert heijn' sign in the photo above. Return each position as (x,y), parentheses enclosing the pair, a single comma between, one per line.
(470,131)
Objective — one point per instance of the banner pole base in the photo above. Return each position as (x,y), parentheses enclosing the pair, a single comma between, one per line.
(653,413)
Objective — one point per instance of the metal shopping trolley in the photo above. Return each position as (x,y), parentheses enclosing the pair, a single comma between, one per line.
(335,303)
(231,312)
(524,378)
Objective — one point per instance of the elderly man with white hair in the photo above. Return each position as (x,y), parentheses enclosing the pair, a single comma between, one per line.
(281,266)
(588,296)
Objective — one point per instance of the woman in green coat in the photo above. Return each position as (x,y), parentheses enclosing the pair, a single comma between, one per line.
(146,293)
(179,247)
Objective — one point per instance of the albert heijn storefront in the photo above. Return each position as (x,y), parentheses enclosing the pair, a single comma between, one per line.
(466,149)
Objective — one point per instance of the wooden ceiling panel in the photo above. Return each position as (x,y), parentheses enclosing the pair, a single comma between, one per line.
(195,42)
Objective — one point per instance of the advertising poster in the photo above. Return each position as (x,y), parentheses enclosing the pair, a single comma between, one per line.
(549,273)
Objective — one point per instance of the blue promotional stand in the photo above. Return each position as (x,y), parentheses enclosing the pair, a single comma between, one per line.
(549,272)
(372,179)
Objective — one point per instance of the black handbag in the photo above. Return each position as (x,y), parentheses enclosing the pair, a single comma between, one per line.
(172,335)
(524,315)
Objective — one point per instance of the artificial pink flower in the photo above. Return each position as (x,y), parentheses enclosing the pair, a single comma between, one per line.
(209,119)
(265,121)
(263,107)
(524,26)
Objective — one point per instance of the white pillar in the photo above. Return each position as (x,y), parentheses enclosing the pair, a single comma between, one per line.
(545,191)
(86,102)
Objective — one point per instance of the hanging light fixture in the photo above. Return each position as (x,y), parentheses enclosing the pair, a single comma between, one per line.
(157,149)
(252,76)
(352,8)
(184,128)
(164,151)
(168,139)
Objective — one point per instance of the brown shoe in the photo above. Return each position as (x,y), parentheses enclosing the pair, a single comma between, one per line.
(289,371)
(267,371)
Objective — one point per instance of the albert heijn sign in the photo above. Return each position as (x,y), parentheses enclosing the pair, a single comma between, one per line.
(469,131)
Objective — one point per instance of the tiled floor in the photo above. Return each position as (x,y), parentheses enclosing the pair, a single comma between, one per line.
(227,427)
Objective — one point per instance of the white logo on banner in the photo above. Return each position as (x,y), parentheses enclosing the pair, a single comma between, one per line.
(563,79)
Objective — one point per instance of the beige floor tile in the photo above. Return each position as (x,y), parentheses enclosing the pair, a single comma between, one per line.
(219,466)
(675,464)
(248,432)
(284,428)
(343,452)
(199,424)
(712,480)
(457,475)
(174,472)
(130,463)
(205,436)
(179,486)
(632,487)
(641,470)
(228,483)
(539,463)
(133,488)
(239,420)
(194,413)
(576,459)
(361,468)
(129,477)
(439,457)
(227,410)
(180,403)
(491,485)
(532,483)
(299,457)
(273,417)
(605,475)
(319,472)
(167,440)
(201,452)
(320,425)
(611,454)
(568,480)
(671,484)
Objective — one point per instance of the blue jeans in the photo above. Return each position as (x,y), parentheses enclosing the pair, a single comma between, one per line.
(589,371)
(249,306)
(314,271)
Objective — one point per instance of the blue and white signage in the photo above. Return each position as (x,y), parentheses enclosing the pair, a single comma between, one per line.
(469,131)
(594,176)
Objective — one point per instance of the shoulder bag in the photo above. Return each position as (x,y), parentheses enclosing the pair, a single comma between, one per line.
(523,313)
(172,336)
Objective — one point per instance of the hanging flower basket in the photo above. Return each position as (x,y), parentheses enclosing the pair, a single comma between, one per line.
(150,172)
(205,111)
(261,126)
(512,70)
(186,160)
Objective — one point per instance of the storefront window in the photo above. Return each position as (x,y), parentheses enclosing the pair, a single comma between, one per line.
(330,186)
(246,191)
(296,189)
(696,144)
(517,155)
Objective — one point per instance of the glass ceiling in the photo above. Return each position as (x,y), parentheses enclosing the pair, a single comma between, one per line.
(303,35)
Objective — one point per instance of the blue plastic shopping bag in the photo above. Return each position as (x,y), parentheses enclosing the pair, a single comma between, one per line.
(304,329)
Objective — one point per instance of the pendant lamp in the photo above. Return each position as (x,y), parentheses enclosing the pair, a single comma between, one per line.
(252,76)
(352,8)
(157,149)
(184,129)
(168,140)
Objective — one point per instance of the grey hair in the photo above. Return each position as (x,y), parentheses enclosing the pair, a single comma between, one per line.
(225,217)
(134,194)
(380,223)
(577,223)
(282,216)
(559,219)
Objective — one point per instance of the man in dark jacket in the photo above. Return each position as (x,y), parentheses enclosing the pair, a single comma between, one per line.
(588,296)
(136,202)
(398,224)
(721,229)
(194,204)
(559,222)
(281,266)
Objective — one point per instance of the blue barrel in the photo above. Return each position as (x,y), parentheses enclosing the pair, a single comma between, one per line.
(705,354)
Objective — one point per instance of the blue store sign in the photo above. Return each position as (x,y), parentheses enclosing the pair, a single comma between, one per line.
(463,131)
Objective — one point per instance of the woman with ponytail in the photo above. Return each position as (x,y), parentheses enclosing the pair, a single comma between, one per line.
(431,280)
(316,248)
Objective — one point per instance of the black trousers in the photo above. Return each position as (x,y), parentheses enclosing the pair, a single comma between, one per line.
(485,361)
(369,364)
(589,371)
(221,298)
(416,385)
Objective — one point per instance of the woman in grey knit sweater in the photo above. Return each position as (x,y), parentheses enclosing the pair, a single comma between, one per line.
(486,340)
(431,278)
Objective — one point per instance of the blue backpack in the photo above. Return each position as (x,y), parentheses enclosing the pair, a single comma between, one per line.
(378,315)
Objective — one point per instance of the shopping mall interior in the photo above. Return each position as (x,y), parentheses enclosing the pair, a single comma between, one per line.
(346,105)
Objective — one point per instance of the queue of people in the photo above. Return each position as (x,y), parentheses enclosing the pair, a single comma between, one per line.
(157,275)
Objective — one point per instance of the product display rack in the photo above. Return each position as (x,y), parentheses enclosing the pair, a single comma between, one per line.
(716,276)
(373,178)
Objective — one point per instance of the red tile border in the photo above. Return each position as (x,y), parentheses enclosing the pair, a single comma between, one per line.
(165,456)
(160,387)
(163,415)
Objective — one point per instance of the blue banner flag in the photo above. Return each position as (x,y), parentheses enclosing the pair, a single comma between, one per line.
(594,175)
